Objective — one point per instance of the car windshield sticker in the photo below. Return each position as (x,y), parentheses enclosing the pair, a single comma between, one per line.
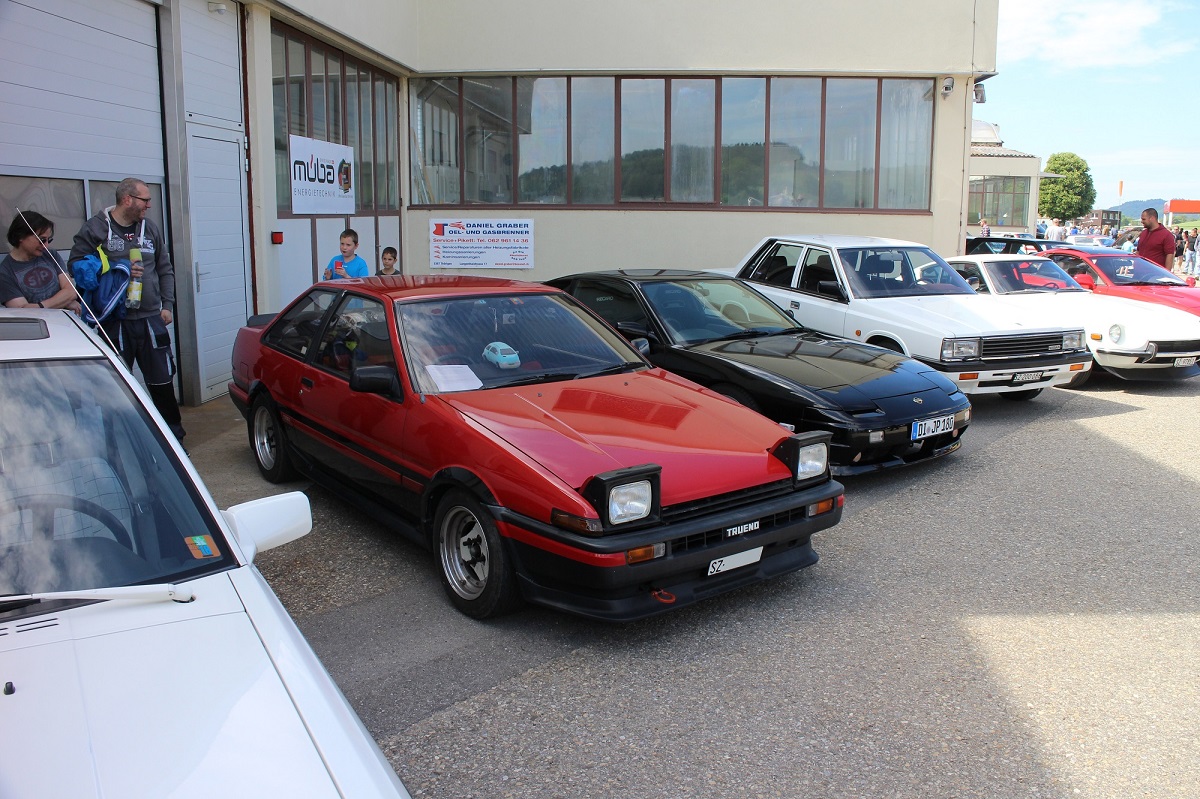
(201,546)
(454,377)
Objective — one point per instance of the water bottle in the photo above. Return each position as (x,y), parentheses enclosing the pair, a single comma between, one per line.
(133,297)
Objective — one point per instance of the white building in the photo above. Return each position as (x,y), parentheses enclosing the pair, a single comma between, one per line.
(1004,183)
(670,134)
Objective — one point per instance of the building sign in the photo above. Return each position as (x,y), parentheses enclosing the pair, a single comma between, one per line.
(322,177)
(481,243)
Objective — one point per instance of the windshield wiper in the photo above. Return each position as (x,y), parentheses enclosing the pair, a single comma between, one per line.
(616,369)
(134,593)
(542,377)
(761,333)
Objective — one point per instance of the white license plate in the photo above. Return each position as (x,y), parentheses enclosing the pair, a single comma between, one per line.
(1188,361)
(1027,377)
(730,562)
(932,427)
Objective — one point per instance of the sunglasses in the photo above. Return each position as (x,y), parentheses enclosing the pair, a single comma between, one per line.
(46,240)
(146,200)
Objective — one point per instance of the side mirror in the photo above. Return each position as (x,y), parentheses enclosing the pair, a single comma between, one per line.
(269,522)
(973,282)
(641,344)
(632,330)
(1086,281)
(1191,281)
(373,379)
(831,288)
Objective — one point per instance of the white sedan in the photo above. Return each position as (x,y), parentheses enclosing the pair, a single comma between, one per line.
(141,654)
(1133,340)
(904,297)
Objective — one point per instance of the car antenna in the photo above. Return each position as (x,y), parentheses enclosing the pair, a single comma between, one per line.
(74,288)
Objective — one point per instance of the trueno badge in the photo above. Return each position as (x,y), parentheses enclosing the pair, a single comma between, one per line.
(741,529)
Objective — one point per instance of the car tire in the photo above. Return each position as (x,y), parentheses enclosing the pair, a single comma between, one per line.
(739,395)
(476,571)
(1081,379)
(268,443)
(887,344)
(1021,396)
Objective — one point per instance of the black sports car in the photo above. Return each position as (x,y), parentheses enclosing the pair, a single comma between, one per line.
(883,409)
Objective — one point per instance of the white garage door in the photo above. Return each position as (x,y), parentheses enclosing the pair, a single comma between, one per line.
(79,89)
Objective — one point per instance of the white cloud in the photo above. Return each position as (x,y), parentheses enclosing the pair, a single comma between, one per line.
(1072,34)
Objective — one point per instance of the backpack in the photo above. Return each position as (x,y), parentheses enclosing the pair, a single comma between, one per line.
(103,284)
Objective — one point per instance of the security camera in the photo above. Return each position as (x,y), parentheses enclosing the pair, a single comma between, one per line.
(980,94)
(947,86)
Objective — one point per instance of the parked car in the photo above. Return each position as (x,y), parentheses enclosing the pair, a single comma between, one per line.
(1130,339)
(902,296)
(882,408)
(1116,273)
(1006,245)
(584,479)
(141,653)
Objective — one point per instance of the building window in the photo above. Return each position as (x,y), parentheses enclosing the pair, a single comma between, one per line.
(324,94)
(815,143)
(1002,200)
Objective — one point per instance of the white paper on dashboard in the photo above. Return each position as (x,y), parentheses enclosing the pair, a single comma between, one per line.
(454,377)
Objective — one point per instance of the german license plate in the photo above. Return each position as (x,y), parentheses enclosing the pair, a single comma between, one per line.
(1188,361)
(932,427)
(1027,377)
(730,562)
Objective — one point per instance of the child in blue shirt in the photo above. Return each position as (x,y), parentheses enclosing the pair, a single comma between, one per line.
(347,264)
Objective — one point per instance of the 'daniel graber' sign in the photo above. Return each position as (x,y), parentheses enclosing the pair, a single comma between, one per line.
(481,243)
(323,177)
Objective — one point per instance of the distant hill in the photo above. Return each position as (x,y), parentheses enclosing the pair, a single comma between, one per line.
(1134,208)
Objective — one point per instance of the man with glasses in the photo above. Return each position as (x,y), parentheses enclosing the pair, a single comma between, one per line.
(122,231)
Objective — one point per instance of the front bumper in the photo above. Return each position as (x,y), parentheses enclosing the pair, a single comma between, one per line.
(590,576)
(1159,360)
(982,377)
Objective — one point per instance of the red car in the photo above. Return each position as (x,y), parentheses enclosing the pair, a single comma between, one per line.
(571,474)
(1121,274)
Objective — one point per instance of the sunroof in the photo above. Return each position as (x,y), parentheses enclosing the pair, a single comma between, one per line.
(23,328)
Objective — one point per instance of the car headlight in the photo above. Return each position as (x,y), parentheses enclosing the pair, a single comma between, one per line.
(630,502)
(812,461)
(960,349)
(1073,341)
(1115,333)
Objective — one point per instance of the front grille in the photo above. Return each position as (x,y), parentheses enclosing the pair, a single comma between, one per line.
(672,514)
(1002,348)
(1179,346)
(711,538)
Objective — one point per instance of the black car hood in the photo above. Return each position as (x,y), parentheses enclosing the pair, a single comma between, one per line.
(845,373)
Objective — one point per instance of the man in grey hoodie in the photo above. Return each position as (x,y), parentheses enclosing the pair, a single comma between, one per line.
(142,335)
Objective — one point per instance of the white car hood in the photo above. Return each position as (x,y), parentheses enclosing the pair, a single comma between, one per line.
(958,315)
(1142,321)
(161,699)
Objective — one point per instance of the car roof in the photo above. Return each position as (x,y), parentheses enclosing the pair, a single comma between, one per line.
(404,287)
(37,335)
(837,241)
(648,275)
(1088,249)
(997,257)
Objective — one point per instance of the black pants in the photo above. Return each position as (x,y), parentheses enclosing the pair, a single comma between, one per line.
(147,342)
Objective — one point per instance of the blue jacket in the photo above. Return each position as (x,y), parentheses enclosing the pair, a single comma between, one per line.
(103,283)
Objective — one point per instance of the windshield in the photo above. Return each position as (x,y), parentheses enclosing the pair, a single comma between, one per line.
(90,495)
(900,272)
(700,310)
(1131,270)
(501,340)
(1036,274)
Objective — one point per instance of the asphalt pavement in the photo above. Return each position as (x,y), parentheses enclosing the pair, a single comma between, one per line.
(1019,619)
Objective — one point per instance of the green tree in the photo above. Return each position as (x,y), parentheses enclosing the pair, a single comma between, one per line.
(1073,195)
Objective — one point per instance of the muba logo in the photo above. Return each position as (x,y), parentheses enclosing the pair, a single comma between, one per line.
(314,171)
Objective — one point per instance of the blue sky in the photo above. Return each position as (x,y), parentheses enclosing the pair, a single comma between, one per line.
(1094,78)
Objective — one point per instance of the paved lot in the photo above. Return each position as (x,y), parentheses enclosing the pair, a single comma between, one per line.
(1020,619)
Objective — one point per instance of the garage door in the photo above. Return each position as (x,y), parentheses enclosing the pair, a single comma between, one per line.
(67,109)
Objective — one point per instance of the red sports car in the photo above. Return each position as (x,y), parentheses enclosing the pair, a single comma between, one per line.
(1121,274)
(569,473)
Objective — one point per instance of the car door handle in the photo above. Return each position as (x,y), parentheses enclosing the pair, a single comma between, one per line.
(306,382)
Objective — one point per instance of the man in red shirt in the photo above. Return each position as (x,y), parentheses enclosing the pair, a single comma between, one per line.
(1156,243)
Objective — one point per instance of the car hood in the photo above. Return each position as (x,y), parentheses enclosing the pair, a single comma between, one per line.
(151,699)
(1095,313)
(705,444)
(843,373)
(1185,298)
(957,315)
